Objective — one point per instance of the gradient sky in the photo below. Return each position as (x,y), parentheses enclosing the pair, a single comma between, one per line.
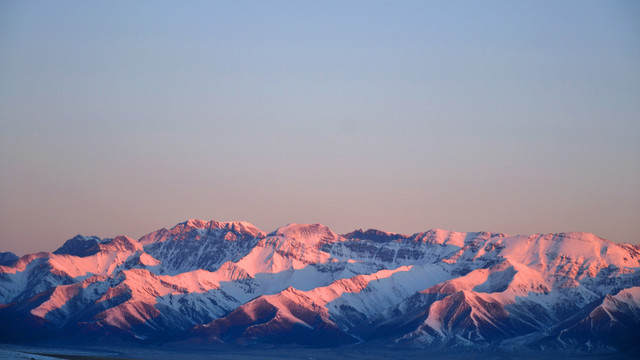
(122,117)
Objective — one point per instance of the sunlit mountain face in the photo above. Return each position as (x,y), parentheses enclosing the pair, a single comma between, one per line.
(231,283)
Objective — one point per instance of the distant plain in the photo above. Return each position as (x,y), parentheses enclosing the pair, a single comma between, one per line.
(281,352)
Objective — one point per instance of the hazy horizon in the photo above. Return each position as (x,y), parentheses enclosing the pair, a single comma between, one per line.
(122,118)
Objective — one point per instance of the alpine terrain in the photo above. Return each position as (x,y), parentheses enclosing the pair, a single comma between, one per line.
(230,282)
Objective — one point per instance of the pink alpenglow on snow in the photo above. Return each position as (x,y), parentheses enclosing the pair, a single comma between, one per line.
(230,282)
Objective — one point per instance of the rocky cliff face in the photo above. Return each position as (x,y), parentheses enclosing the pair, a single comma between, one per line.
(217,282)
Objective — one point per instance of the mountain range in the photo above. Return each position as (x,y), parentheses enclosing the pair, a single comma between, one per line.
(209,282)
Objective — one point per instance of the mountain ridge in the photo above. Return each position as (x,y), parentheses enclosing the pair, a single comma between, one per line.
(230,282)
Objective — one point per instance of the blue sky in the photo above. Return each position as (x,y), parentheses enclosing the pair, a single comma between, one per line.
(123,117)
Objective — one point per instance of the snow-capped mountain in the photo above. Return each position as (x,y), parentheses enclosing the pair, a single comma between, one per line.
(230,282)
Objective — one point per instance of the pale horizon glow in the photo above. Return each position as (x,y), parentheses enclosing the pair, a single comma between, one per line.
(126,117)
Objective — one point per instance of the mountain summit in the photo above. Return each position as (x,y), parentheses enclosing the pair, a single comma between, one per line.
(230,282)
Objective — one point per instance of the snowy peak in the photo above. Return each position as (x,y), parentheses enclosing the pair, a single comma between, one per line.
(308,234)
(584,250)
(375,235)
(83,246)
(287,317)
(8,258)
(194,228)
(458,239)
(612,324)
(197,244)
(240,226)
(195,223)
(80,246)
(120,243)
